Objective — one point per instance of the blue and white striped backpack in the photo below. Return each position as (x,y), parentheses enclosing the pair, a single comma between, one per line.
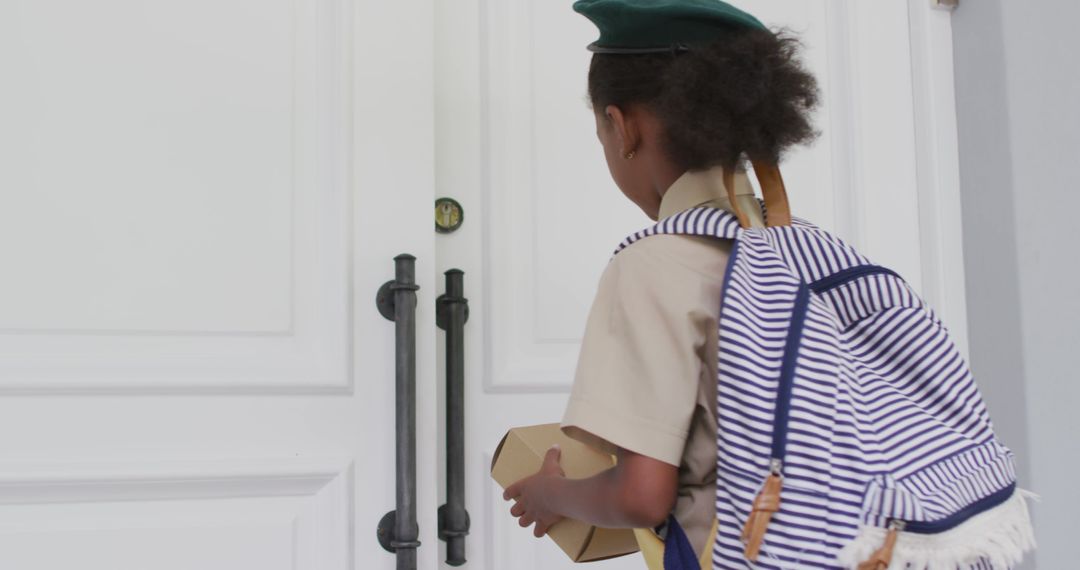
(851,433)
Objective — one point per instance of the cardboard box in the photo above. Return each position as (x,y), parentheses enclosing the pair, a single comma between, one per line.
(521,453)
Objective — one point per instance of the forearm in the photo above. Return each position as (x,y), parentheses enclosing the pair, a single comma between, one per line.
(607,500)
(639,492)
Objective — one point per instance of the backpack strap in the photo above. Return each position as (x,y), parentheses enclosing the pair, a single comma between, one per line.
(777,209)
(699,221)
(729,185)
(678,553)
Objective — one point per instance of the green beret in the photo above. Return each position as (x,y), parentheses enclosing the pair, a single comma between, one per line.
(650,26)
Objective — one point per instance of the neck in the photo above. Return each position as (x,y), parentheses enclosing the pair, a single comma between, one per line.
(664,173)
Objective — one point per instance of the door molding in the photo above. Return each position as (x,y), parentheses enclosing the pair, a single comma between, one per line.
(940,215)
(307,500)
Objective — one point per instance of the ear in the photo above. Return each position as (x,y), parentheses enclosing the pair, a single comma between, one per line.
(626,128)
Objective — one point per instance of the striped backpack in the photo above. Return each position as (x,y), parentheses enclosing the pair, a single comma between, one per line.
(851,433)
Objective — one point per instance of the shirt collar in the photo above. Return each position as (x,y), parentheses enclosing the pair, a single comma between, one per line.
(702,187)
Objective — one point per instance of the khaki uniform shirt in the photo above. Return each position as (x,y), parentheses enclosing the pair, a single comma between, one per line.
(646,375)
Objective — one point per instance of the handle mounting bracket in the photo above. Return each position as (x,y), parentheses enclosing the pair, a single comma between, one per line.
(385,534)
(442,309)
(384,298)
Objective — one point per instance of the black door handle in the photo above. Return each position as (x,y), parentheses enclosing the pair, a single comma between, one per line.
(451,314)
(398,531)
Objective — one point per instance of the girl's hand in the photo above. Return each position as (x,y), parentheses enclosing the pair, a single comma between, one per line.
(532,495)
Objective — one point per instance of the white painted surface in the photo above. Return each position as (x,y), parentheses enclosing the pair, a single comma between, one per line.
(1017,85)
(516,145)
(198,201)
(938,167)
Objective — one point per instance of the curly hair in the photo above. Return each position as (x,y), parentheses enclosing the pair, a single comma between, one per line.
(745,96)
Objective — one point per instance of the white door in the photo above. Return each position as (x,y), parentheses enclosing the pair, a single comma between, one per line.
(198,202)
(516,146)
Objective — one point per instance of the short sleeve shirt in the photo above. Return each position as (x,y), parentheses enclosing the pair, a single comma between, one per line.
(646,375)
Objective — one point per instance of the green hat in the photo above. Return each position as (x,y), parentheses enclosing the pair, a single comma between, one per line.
(651,26)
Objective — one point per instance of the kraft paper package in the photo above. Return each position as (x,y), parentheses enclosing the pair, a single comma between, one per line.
(521,453)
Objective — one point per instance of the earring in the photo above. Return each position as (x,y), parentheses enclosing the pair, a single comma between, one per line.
(630,155)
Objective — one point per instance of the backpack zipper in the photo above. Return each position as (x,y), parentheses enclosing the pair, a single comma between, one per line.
(767,501)
(850,274)
(954,520)
(882,557)
(787,374)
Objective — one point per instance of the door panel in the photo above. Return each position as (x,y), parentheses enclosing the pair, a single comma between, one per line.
(179,515)
(175,210)
(543,184)
(198,203)
(516,146)
(114,116)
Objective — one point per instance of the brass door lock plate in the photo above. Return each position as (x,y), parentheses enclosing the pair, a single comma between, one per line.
(449,215)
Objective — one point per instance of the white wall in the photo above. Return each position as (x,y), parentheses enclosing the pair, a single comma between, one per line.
(1017,89)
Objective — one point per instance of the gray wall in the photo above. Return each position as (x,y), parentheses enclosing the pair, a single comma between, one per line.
(1017,91)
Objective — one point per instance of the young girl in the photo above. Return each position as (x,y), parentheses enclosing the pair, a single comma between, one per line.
(681,90)
(850,433)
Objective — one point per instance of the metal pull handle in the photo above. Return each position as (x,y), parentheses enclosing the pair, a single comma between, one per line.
(451,314)
(398,531)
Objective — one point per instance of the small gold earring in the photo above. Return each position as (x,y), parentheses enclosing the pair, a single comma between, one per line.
(630,155)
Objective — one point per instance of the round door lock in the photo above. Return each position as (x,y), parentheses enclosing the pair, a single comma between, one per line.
(448,215)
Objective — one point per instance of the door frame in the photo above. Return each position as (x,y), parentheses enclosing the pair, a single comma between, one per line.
(938,160)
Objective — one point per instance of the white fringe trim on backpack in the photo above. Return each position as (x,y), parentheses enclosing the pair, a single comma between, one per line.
(999,536)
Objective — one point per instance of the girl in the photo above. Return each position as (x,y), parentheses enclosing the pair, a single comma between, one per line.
(681,91)
(852,434)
